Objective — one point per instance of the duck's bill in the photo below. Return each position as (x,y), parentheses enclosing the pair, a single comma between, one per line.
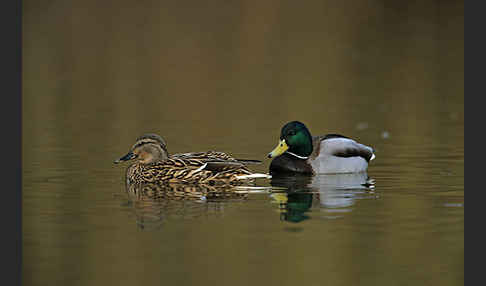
(279,150)
(127,157)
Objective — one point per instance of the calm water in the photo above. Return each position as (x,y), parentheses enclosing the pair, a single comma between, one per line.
(226,76)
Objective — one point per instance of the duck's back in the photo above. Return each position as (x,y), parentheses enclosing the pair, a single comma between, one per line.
(204,156)
(336,153)
(215,156)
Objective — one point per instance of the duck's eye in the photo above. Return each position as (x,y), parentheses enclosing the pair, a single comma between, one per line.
(291,133)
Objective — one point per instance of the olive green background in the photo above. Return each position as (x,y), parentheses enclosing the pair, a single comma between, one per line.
(226,75)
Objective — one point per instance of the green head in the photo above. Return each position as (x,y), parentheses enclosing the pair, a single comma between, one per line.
(296,139)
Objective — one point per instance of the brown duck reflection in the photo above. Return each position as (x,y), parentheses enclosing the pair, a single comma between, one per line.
(153,204)
(156,192)
(299,193)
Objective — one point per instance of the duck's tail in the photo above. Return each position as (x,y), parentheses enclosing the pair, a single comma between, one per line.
(248,161)
(248,189)
(254,176)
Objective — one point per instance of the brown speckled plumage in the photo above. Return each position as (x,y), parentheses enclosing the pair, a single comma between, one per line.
(154,165)
(178,170)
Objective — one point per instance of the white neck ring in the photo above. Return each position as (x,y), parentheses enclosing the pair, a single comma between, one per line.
(300,157)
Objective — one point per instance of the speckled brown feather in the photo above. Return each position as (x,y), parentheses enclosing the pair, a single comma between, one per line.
(205,156)
(187,169)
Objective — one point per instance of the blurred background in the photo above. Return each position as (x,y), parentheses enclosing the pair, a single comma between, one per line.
(226,76)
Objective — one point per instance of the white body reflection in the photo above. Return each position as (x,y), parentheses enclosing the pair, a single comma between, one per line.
(332,193)
(340,190)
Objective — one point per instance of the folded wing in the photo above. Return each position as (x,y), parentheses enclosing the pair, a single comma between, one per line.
(341,146)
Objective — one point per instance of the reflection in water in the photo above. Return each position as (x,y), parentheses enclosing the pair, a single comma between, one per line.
(334,192)
(154,203)
(295,207)
(341,190)
(226,75)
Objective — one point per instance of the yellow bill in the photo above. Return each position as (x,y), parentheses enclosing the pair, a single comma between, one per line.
(279,150)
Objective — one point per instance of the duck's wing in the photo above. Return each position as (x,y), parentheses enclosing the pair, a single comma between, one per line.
(342,146)
(218,164)
(192,164)
(198,164)
(215,156)
(191,170)
(204,156)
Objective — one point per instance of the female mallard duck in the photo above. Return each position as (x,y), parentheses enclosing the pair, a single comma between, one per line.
(300,152)
(154,165)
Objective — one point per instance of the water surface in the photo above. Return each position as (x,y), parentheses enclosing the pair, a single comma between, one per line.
(226,76)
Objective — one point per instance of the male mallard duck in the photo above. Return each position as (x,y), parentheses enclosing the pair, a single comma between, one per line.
(300,152)
(154,165)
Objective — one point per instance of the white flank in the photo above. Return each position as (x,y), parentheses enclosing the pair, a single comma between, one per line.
(372,157)
(201,168)
(253,176)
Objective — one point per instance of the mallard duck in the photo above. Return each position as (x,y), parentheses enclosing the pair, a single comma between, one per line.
(298,151)
(153,164)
